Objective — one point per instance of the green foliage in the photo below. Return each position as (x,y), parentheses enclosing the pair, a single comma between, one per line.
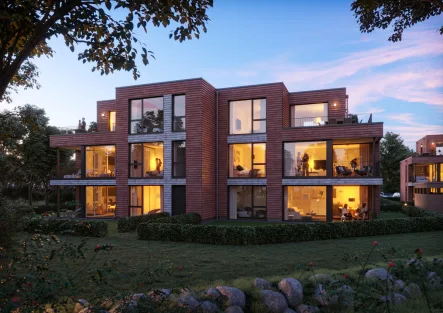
(189,218)
(8,224)
(372,14)
(392,152)
(127,224)
(86,228)
(271,234)
(104,30)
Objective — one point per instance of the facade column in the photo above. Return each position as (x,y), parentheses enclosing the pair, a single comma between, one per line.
(329,203)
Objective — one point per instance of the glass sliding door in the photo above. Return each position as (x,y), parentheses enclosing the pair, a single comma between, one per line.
(305,203)
(145,200)
(354,198)
(100,201)
(248,202)
(100,161)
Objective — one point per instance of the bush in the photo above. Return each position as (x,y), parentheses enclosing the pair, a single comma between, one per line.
(190,218)
(127,224)
(270,234)
(411,211)
(86,228)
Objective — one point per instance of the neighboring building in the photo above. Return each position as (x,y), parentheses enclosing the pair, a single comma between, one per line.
(230,153)
(421,176)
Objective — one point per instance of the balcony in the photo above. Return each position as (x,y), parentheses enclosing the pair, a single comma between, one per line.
(349,119)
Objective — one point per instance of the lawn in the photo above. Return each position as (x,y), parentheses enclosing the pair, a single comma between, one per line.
(202,265)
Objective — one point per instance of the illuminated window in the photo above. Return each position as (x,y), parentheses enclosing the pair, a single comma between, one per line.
(100,161)
(247,116)
(305,203)
(247,160)
(309,115)
(305,159)
(351,158)
(145,200)
(100,201)
(112,121)
(352,196)
(146,160)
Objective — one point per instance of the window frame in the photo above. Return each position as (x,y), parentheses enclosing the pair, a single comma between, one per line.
(143,197)
(109,121)
(130,120)
(173,158)
(142,164)
(252,159)
(328,175)
(83,162)
(173,114)
(291,117)
(252,116)
(107,197)
(252,203)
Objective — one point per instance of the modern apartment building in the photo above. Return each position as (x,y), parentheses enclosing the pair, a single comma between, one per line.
(251,152)
(421,175)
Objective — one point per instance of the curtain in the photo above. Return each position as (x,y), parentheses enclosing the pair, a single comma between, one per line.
(364,155)
(161,199)
(285,204)
(233,203)
(231,161)
(364,196)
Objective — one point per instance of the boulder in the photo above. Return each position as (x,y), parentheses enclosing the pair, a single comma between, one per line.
(213,293)
(303,308)
(412,291)
(398,298)
(346,298)
(438,262)
(292,290)
(415,263)
(233,296)
(323,298)
(289,310)
(377,273)
(208,307)
(158,295)
(187,302)
(80,305)
(433,281)
(261,283)
(399,285)
(274,301)
(234,309)
(324,279)
(138,296)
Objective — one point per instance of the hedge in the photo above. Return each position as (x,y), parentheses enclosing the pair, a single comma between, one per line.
(127,224)
(190,218)
(271,234)
(86,228)
(409,210)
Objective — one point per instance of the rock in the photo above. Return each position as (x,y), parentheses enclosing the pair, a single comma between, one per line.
(274,301)
(323,298)
(399,285)
(292,290)
(138,296)
(208,307)
(398,298)
(303,308)
(438,262)
(324,279)
(158,295)
(234,296)
(416,263)
(234,309)
(377,273)
(433,281)
(346,298)
(187,302)
(213,293)
(384,299)
(288,310)
(166,292)
(261,283)
(80,305)
(412,291)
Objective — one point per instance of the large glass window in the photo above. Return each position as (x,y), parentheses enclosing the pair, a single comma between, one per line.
(305,203)
(100,161)
(145,200)
(354,198)
(146,160)
(112,121)
(146,116)
(179,120)
(305,159)
(100,201)
(309,115)
(179,158)
(247,202)
(247,160)
(352,160)
(247,116)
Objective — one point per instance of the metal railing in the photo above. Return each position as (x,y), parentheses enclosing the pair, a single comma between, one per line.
(362,118)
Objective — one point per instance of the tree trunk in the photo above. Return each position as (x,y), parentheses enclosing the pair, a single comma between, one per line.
(30,194)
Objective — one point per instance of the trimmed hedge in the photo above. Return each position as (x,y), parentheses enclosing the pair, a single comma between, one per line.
(190,218)
(271,234)
(127,224)
(86,228)
(411,211)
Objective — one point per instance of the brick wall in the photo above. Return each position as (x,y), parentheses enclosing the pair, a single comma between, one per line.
(104,107)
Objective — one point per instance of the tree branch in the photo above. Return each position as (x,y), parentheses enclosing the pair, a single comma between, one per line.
(436,2)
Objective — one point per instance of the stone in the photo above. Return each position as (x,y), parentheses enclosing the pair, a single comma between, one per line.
(166,292)
(438,262)
(433,281)
(261,283)
(398,298)
(346,298)
(324,279)
(80,305)
(289,310)
(303,308)
(274,301)
(158,295)
(234,296)
(138,296)
(412,291)
(377,273)
(188,302)
(292,290)
(213,293)
(399,285)
(323,298)
(416,263)
(234,309)
(208,307)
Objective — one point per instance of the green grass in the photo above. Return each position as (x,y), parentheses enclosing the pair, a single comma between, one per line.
(391,215)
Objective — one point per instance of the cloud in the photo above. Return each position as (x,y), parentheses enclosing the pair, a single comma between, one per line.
(410,133)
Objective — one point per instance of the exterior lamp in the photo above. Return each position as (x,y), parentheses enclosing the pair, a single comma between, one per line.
(103,114)
(335,104)
(406,204)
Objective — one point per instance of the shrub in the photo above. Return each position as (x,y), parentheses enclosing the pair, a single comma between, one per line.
(270,234)
(127,224)
(86,228)
(190,218)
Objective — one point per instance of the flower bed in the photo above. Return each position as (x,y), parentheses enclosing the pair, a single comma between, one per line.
(85,228)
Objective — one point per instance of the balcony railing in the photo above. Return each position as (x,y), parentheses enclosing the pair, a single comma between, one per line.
(349,119)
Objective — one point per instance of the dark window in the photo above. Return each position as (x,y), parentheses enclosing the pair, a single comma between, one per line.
(146,116)
(179,113)
(247,202)
(179,158)
(178,200)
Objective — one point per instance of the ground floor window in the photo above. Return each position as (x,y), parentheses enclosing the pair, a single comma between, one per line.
(145,200)
(178,200)
(305,203)
(100,201)
(247,202)
(350,202)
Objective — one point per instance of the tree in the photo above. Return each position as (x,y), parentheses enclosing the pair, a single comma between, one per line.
(392,152)
(26,26)
(372,14)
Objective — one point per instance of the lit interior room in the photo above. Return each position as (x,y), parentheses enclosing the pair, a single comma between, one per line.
(100,201)
(305,158)
(100,161)
(305,203)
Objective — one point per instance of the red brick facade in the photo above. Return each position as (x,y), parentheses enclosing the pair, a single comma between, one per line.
(206,125)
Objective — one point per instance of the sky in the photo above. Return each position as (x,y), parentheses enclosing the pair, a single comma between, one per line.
(306,45)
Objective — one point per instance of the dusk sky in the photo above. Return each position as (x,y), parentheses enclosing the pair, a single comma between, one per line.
(305,45)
